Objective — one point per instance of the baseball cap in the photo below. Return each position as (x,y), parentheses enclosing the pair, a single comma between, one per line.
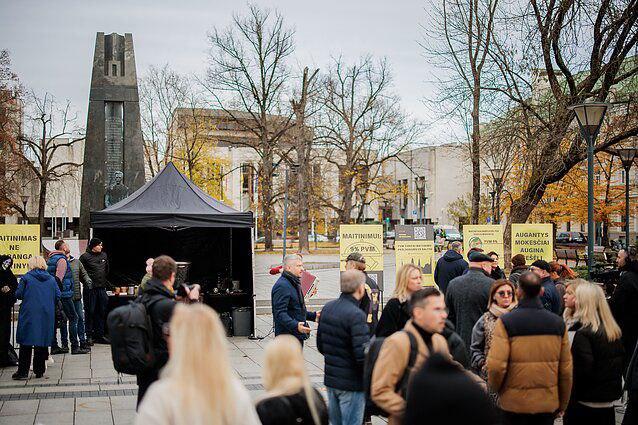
(356,256)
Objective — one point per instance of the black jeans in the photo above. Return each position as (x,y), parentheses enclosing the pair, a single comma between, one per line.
(579,414)
(510,418)
(98,301)
(143,382)
(39,359)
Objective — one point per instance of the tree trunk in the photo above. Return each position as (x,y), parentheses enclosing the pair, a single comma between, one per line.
(41,204)
(475,155)
(303,200)
(266,201)
(345,177)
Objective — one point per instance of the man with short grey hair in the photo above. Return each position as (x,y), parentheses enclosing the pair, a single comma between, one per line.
(341,338)
(288,306)
(449,266)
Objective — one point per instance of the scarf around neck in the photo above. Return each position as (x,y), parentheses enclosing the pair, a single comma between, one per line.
(499,311)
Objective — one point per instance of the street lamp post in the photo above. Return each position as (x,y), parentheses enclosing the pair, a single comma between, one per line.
(627,157)
(420,188)
(425,209)
(25,199)
(590,117)
(493,194)
(497,175)
(361,194)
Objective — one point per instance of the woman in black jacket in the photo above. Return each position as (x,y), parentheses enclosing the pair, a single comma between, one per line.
(598,356)
(288,387)
(396,312)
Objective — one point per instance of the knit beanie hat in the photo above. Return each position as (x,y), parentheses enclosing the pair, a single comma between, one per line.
(93,243)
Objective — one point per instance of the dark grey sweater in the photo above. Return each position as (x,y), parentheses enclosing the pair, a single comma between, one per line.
(467,299)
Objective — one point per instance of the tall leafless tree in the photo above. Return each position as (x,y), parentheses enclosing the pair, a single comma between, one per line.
(466,28)
(361,127)
(48,127)
(248,72)
(303,144)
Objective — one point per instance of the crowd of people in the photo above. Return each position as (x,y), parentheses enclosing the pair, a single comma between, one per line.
(523,349)
(59,295)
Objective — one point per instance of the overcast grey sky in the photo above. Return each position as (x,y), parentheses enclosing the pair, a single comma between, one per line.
(51,42)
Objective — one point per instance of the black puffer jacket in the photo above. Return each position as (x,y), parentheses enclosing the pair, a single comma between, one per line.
(341,338)
(598,366)
(159,302)
(449,266)
(97,266)
(291,410)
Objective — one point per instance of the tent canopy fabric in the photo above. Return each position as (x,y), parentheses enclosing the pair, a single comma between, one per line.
(170,200)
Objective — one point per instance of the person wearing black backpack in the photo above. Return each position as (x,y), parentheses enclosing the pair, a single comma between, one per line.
(391,371)
(159,300)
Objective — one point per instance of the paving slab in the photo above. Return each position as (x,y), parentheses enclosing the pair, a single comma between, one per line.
(54,418)
(27,419)
(19,407)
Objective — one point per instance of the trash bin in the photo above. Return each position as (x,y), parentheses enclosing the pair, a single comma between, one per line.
(242,321)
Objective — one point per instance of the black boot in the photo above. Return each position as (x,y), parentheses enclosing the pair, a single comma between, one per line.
(85,346)
(59,350)
(79,350)
(20,377)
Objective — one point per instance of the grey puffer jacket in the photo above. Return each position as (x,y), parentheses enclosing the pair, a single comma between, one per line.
(79,275)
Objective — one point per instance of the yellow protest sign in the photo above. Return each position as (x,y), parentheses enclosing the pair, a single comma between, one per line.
(488,237)
(366,239)
(414,244)
(21,242)
(534,241)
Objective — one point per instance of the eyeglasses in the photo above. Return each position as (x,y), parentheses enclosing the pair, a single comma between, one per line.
(504,293)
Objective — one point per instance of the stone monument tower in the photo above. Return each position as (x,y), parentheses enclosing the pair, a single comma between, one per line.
(113,152)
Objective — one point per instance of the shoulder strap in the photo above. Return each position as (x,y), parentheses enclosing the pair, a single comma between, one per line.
(414,349)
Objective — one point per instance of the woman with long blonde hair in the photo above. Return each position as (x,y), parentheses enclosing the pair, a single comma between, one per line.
(198,385)
(598,357)
(289,399)
(396,312)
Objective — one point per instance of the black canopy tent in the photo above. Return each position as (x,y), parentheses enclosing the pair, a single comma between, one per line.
(171,215)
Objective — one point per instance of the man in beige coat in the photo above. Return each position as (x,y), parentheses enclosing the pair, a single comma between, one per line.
(427,308)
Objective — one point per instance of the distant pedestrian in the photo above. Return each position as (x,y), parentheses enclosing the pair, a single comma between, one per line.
(290,398)
(289,312)
(468,296)
(58,266)
(396,312)
(147,276)
(502,301)
(561,274)
(342,337)
(598,356)
(624,300)
(496,273)
(8,286)
(96,263)
(371,299)
(427,309)
(529,364)
(81,283)
(198,385)
(518,267)
(449,266)
(39,293)
(549,297)
(440,393)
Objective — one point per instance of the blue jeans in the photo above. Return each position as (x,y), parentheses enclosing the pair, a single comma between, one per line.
(79,310)
(72,317)
(346,407)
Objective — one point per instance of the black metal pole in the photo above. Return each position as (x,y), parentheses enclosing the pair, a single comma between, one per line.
(492,194)
(627,206)
(591,230)
(498,207)
(285,212)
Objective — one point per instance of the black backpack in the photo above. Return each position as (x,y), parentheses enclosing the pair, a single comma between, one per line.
(372,353)
(131,333)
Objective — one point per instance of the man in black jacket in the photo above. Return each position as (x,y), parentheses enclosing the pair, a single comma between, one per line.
(624,300)
(341,338)
(96,264)
(159,300)
(449,266)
